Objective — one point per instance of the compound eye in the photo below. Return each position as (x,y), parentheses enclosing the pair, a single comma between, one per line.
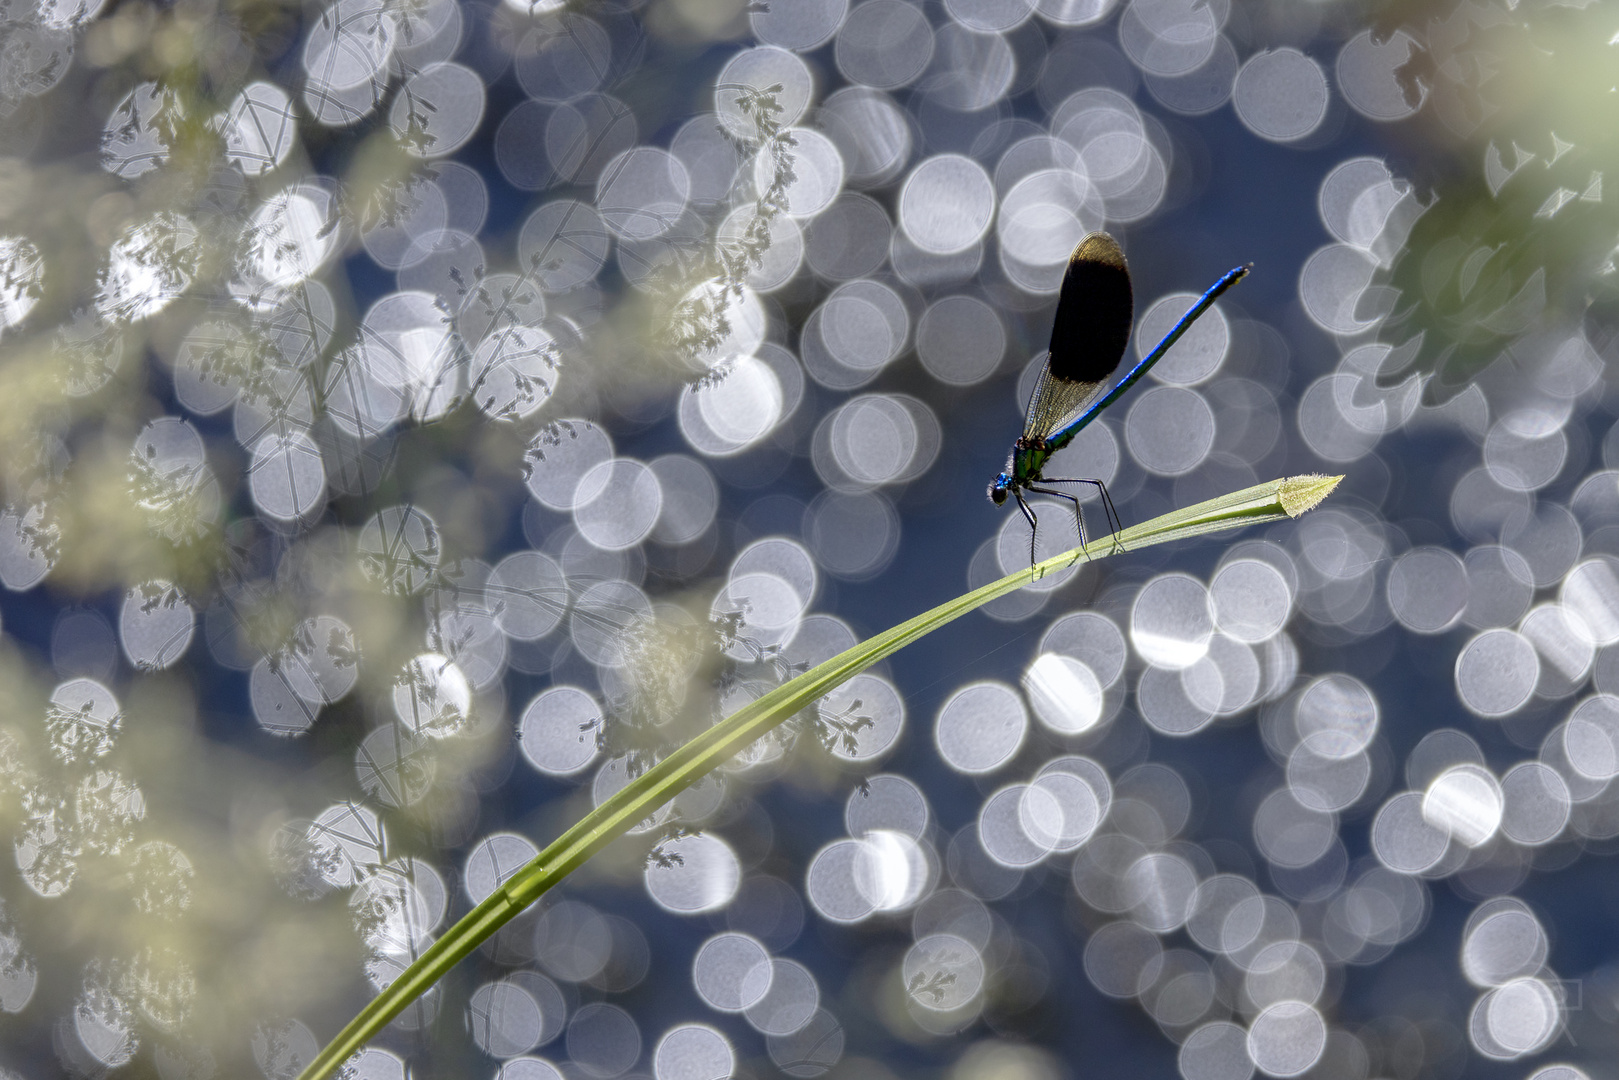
(997,494)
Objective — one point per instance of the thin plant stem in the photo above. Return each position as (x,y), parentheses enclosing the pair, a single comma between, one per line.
(1273,501)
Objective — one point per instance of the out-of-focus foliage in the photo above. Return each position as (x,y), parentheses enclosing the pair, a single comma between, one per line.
(1517,231)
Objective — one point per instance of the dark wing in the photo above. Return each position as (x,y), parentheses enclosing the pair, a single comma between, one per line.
(1095,310)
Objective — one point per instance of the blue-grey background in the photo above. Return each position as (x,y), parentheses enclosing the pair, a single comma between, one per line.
(221,787)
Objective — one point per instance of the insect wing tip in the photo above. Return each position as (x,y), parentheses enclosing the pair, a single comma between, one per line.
(1099,248)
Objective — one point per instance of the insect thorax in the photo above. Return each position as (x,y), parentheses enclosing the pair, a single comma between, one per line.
(1029,456)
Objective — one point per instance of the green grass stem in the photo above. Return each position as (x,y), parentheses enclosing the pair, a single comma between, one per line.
(1273,501)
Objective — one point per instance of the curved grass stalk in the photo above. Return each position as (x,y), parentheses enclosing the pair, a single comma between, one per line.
(1273,501)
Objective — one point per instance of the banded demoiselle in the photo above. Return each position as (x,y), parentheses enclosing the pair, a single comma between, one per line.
(1095,309)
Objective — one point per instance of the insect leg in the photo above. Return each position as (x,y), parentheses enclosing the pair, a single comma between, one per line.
(1079,517)
(1034,522)
(1109,512)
